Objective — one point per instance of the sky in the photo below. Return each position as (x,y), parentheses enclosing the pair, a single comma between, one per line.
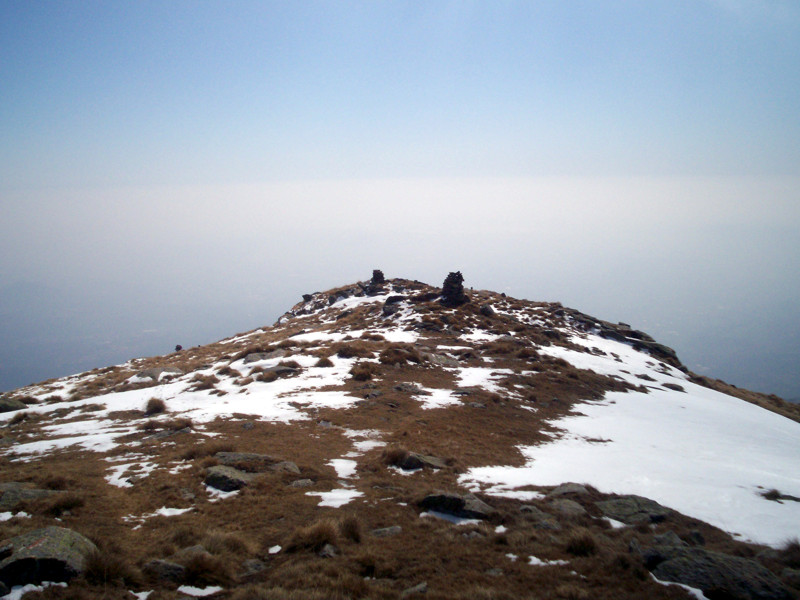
(177,172)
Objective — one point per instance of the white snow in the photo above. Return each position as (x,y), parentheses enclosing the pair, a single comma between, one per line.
(694,592)
(701,453)
(538,562)
(274,549)
(142,595)
(199,592)
(18,591)
(6,516)
(448,517)
(480,377)
(336,498)
(436,398)
(345,468)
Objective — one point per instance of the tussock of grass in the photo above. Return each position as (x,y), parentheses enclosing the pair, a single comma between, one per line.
(353,350)
(399,354)
(313,537)
(324,362)
(107,568)
(394,456)
(207,449)
(61,503)
(581,542)
(364,371)
(154,406)
(204,382)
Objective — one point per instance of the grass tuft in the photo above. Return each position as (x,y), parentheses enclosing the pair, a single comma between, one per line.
(154,406)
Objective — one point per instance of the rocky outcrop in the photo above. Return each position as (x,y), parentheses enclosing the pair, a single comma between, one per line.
(717,575)
(465,506)
(258,356)
(9,404)
(633,509)
(49,554)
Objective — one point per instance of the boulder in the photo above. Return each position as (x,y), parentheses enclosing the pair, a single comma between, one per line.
(9,404)
(228,479)
(465,506)
(487,310)
(258,356)
(247,461)
(165,570)
(285,466)
(568,488)
(633,509)
(12,493)
(568,507)
(419,461)
(49,554)
(386,531)
(717,575)
(440,360)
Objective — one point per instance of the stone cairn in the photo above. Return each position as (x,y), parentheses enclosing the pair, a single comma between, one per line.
(453,290)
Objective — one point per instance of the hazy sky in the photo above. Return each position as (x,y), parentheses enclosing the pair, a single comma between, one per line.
(175,172)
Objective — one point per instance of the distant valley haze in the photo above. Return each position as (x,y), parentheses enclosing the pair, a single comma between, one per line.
(177,173)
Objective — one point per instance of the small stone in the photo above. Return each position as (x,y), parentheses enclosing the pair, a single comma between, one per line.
(300,483)
(420,588)
(328,551)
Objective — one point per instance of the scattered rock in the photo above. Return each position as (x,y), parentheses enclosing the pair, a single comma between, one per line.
(165,570)
(386,531)
(420,588)
(487,310)
(328,551)
(49,554)
(568,507)
(717,575)
(227,479)
(476,404)
(568,488)
(465,506)
(9,404)
(407,388)
(633,509)
(300,483)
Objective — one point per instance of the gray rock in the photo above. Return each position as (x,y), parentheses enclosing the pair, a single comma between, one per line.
(247,461)
(717,575)
(669,538)
(407,388)
(328,551)
(568,488)
(285,466)
(49,554)
(228,479)
(633,509)
(258,356)
(300,483)
(13,493)
(420,588)
(541,519)
(9,404)
(386,531)
(155,373)
(568,507)
(487,310)
(165,570)
(419,461)
(440,360)
(465,506)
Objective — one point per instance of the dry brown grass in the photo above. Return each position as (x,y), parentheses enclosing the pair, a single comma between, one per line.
(209,448)
(154,406)
(324,362)
(313,537)
(364,371)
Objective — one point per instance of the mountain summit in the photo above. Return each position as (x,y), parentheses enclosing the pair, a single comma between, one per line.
(391,439)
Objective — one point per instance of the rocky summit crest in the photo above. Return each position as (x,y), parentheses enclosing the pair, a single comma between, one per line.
(392,439)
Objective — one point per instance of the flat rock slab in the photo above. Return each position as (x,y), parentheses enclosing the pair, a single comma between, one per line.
(718,575)
(49,554)
(418,461)
(13,493)
(228,479)
(633,509)
(465,506)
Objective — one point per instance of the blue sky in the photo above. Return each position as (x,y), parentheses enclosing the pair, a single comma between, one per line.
(143,93)
(171,171)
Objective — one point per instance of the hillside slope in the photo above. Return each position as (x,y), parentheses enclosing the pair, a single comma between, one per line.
(314,458)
